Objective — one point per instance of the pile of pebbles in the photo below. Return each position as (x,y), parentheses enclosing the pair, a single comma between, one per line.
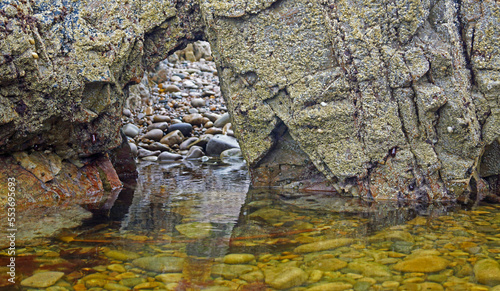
(180,115)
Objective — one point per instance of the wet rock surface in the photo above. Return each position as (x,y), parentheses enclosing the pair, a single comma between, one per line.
(50,192)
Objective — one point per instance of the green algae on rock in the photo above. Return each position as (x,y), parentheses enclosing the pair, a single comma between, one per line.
(380,108)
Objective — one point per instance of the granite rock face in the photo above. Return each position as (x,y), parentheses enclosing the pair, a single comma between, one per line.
(384,99)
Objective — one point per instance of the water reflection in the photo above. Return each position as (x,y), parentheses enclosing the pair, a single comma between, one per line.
(198,226)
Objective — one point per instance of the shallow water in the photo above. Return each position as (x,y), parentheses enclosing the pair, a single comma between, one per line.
(198,226)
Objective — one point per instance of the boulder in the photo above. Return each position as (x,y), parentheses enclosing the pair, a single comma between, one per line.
(323,100)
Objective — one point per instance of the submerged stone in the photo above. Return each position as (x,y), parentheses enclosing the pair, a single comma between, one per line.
(160,264)
(324,245)
(285,278)
(195,229)
(231,271)
(335,286)
(423,264)
(487,272)
(42,279)
(370,269)
(238,258)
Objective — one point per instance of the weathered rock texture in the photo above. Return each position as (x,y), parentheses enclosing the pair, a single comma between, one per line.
(65,66)
(386,99)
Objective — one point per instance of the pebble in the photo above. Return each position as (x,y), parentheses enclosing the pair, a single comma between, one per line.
(214,130)
(154,134)
(171,88)
(208,93)
(130,130)
(150,158)
(117,268)
(147,285)
(194,119)
(231,155)
(185,145)
(133,148)
(157,146)
(149,110)
(160,264)
(487,271)
(327,264)
(131,282)
(146,153)
(42,279)
(121,255)
(169,278)
(161,118)
(127,112)
(221,121)
(172,138)
(115,286)
(175,79)
(238,258)
(195,229)
(230,271)
(220,143)
(198,102)
(185,128)
(95,282)
(211,116)
(166,156)
(324,245)
(195,152)
(423,264)
(284,278)
(336,286)
(189,84)
(370,269)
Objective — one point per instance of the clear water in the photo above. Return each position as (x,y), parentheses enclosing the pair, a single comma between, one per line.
(198,226)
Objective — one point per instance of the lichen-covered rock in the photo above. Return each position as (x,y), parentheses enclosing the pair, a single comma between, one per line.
(65,69)
(383,99)
(66,65)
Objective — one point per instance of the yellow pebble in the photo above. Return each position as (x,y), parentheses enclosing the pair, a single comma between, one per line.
(34,55)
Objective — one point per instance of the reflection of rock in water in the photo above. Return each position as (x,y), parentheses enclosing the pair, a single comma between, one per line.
(270,212)
(174,193)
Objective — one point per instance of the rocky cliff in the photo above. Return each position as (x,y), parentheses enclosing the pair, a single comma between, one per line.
(65,69)
(385,99)
(382,99)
